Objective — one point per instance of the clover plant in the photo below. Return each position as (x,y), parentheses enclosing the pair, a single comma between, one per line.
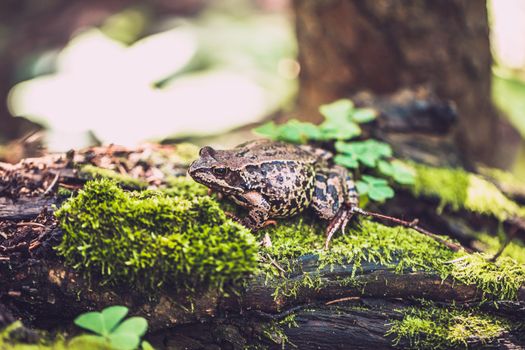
(111,330)
(371,160)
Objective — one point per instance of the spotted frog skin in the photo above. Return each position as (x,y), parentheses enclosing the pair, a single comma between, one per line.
(278,180)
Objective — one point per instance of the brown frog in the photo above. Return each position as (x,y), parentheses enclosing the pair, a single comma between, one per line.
(279,180)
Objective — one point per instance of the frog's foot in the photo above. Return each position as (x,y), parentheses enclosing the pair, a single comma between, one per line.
(339,221)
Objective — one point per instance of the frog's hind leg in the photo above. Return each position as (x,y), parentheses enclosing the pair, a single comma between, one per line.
(348,202)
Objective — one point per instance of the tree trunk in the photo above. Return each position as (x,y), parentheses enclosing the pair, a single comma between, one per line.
(351,45)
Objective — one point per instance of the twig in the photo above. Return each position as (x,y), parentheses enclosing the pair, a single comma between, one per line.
(341,300)
(17,247)
(35,224)
(69,186)
(413,225)
(53,183)
(274,263)
(508,239)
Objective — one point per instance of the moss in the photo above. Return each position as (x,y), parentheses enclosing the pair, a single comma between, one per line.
(449,185)
(459,190)
(397,247)
(186,152)
(181,186)
(491,244)
(63,192)
(507,181)
(150,239)
(502,279)
(91,172)
(8,341)
(432,327)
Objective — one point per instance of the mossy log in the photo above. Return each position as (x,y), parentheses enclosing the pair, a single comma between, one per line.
(328,315)
(366,301)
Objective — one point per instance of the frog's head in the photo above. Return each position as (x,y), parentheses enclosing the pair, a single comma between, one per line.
(215,170)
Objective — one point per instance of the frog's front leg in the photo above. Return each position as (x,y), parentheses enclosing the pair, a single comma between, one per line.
(259,210)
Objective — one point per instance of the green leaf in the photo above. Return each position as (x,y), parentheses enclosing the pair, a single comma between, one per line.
(124,341)
(268,129)
(344,130)
(368,152)
(364,115)
(298,132)
(380,193)
(89,341)
(346,161)
(362,187)
(113,315)
(380,148)
(134,325)
(385,168)
(374,181)
(145,345)
(92,321)
(403,174)
(338,110)
(368,159)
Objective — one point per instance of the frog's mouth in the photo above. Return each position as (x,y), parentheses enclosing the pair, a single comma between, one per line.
(205,177)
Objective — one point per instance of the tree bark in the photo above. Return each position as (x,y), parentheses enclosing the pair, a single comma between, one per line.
(351,45)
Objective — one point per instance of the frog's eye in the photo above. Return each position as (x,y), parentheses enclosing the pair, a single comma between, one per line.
(220,171)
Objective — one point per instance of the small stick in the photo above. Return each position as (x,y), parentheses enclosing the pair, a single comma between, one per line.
(413,225)
(274,263)
(35,224)
(341,300)
(508,239)
(53,183)
(70,187)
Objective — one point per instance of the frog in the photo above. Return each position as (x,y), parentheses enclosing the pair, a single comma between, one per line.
(275,180)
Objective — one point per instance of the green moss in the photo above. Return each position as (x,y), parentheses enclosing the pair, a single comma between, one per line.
(150,239)
(502,279)
(459,189)
(181,186)
(449,185)
(491,244)
(397,247)
(507,181)
(91,172)
(186,152)
(431,327)
(8,341)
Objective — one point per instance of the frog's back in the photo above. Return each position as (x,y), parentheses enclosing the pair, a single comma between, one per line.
(282,172)
(264,151)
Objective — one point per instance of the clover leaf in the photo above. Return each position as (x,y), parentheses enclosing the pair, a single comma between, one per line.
(349,161)
(367,152)
(332,130)
(112,330)
(376,188)
(364,115)
(269,130)
(293,131)
(338,110)
(402,173)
